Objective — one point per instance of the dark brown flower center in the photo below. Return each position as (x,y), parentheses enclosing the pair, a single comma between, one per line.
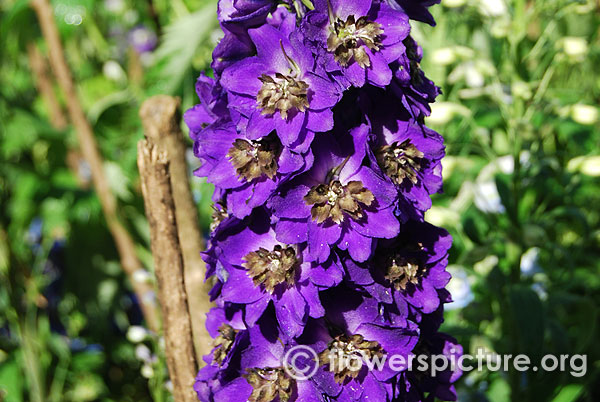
(342,350)
(282,93)
(269,384)
(348,38)
(270,268)
(219,214)
(223,343)
(253,159)
(335,200)
(403,271)
(401,161)
(403,267)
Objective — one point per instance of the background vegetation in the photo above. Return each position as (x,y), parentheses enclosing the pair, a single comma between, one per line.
(520,116)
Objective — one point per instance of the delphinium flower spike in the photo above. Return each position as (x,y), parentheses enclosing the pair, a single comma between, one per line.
(312,133)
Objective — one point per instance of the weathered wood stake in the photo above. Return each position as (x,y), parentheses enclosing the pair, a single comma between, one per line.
(168,267)
(161,118)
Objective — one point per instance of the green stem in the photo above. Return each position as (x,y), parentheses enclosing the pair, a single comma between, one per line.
(31,359)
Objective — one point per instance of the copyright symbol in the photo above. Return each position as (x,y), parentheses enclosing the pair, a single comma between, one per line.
(300,362)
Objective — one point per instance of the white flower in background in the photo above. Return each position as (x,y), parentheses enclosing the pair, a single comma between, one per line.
(521,90)
(443,112)
(587,7)
(486,196)
(576,48)
(472,72)
(143,353)
(440,216)
(501,27)
(584,114)
(540,289)
(114,6)
(454,3)
(492,8)
(484,266)
(469,73)
(136,334)
(113,71)
(142,276)
(459,287)
(529,262)
(588,165)
(147,371)
(443,56)
(448,55)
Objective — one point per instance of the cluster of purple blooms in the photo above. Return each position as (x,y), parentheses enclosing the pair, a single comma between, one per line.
(312,133)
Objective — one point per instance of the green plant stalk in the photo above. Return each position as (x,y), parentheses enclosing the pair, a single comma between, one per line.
(31,360)
(58,382)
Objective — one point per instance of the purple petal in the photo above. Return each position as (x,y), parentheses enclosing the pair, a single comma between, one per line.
(242,77)
(236,391)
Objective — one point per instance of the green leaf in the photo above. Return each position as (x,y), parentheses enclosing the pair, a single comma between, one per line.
(570,393)
(527,312)
(11,381)
(499,391)
(180,44)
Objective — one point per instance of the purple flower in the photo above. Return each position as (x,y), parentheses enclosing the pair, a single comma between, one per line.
(312,134)
(252,368)
(338,202)
(411,85)
(409,269)
(258,269)
(416,9)
(407,152)
(417,386)
(250,170)
(142,39)
(235,15)
(280,89)
(357,38)
(356,327)
(212,106)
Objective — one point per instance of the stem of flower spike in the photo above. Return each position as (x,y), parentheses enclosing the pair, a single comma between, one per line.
(89,149)
(160,209)
(161,117)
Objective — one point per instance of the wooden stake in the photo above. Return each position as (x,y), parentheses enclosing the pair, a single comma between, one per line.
(161,118)
(168,266)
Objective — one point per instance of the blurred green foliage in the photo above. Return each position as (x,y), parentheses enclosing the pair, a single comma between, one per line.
(522,186)
(69,324)
(520,117)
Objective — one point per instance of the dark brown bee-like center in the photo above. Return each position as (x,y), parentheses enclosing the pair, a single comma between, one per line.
(219,214)
(348,38)
(253,159)
(403,271)
(223,343)
(282,93)
(403,267)
(335,200)
(269,384)
(342,350)
(271,268)
(401,161)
